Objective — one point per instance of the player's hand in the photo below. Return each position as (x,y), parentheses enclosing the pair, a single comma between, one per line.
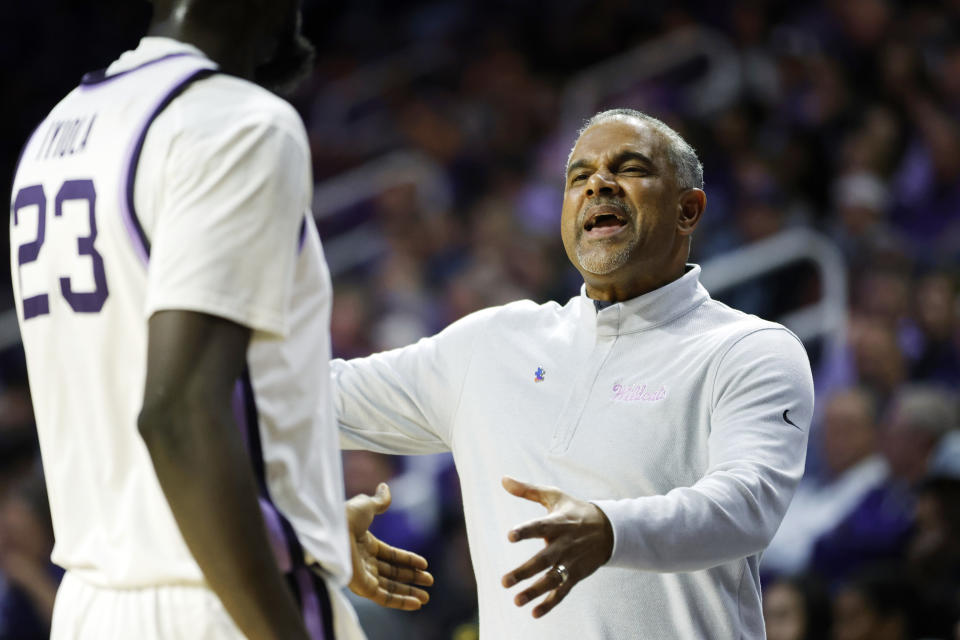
(383,573)
(578,536)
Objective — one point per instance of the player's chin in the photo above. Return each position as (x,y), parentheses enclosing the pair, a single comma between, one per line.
(292,64)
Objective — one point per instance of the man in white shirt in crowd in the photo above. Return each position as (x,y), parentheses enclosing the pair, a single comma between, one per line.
(174,304)
(663,432)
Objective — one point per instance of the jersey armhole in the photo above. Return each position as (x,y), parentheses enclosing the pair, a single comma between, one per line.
(132,223)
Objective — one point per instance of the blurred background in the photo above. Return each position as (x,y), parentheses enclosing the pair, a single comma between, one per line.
(830,135)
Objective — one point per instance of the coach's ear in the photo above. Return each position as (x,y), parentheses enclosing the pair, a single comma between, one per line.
(690,207)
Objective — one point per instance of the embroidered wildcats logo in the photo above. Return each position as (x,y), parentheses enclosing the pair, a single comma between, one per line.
(637,393)
(539,374)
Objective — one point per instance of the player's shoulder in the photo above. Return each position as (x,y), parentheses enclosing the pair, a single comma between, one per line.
(226,102)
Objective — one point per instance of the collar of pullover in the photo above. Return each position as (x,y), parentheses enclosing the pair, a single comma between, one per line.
(649,310)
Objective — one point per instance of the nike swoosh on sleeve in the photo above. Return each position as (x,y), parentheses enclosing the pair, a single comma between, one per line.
(788,420)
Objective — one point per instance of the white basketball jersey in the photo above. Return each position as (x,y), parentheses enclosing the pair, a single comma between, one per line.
(165,185)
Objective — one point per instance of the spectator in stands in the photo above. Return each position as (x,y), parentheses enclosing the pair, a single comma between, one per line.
(936,354)
(878,360)
(875,605)
(796,609)
(861,202)
(919,438)
(933,554)
(30,580)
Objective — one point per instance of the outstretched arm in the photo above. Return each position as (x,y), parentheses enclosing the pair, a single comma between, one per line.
(193,362)
(383,573)
(404,401)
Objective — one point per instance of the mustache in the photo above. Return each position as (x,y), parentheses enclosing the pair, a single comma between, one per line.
(612,201)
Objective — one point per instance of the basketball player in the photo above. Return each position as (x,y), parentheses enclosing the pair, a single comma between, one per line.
(174,305)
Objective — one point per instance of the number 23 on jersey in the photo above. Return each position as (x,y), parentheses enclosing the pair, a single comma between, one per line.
(37,303)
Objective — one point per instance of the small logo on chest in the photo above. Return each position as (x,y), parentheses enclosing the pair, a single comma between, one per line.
(638,393)
(539,374)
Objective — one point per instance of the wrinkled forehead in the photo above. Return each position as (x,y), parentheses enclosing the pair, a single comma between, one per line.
(617,134)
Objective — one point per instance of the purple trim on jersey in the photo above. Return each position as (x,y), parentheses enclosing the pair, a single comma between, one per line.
(138,238)
(309,590)
(310,604)
(100,76)
(277,535)
(326,606)
(275,529)
(249,422)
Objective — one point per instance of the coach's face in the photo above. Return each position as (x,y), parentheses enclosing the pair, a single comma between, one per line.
(625,222)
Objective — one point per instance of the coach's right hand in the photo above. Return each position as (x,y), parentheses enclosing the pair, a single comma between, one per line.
(383,573)
(579,540)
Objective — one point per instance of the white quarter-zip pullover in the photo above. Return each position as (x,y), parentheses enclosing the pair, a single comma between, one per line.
(684,420)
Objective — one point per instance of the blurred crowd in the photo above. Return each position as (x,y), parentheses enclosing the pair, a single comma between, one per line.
(439,134)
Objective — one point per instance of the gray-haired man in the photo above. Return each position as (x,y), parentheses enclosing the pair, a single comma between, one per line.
(679,423)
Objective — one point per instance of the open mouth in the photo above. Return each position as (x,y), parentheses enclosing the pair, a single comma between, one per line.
(605,220)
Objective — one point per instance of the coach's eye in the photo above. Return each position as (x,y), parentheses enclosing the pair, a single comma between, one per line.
(579,176)
(634,170)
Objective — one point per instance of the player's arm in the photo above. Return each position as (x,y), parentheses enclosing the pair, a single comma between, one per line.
(193,362)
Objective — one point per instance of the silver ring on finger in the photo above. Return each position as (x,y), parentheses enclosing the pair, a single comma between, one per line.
(563,573)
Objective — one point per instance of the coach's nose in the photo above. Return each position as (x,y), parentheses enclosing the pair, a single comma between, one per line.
(603,182)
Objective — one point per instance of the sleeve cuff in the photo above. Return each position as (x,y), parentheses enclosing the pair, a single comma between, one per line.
(612,509)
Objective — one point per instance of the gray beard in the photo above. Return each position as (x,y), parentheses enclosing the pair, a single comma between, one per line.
(600,262)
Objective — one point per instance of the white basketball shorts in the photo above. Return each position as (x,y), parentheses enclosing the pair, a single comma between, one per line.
(171,612)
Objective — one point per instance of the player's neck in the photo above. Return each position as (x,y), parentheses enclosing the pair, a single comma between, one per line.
(229,55)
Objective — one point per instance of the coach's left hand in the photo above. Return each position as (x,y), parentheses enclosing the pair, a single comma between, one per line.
(579,538)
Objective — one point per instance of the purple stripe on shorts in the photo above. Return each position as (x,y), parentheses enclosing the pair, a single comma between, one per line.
(310,605)
(127,209)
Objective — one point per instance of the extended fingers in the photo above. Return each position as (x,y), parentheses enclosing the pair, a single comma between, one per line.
(394,556)
(547,527)
(404,574)
(552,600)
(551,583)
(546,496)
(395,595)
(530,568)
(548,581)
